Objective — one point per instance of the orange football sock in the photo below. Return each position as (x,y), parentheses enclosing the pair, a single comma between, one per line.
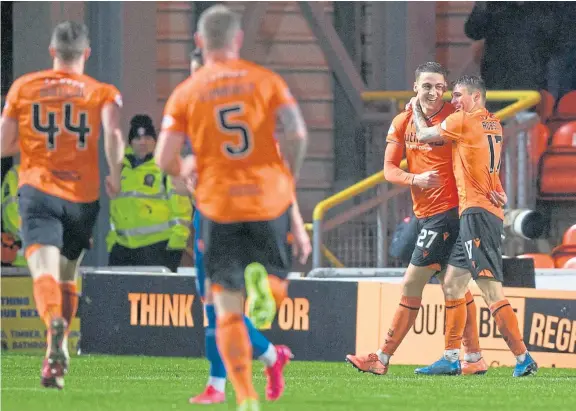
(48,297)
(455,323)
(471,339)
(507,323)
(69,301)
(234,346)
(403,320)
(279,288)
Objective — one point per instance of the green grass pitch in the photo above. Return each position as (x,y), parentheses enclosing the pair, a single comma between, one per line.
(155,384)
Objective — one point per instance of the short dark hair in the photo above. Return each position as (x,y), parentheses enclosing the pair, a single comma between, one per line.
(431,67)
(472,83)
(70,39)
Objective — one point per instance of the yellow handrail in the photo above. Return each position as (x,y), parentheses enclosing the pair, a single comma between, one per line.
(522,101)
(327,253)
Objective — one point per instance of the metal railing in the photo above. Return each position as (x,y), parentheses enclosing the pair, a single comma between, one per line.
(371,216)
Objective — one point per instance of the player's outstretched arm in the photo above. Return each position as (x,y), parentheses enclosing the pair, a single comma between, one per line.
(113,146)
(173,134)
(9,137)
(295,142)
(392,171)
(167,153)
(424,133)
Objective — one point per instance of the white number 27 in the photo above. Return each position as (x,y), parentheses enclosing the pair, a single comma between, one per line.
(424,235)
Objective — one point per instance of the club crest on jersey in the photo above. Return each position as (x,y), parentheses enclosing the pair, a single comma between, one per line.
(167,121)
(118,100)
(149,180)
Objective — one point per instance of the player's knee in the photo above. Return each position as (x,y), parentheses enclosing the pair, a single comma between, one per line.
(415,279)
(492,290)
(453,291)
(455,282)
(43,259)
(227,300)
(68,269)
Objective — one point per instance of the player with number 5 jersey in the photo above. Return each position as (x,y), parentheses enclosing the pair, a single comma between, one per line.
(233,115)
(245,188)
(53,118)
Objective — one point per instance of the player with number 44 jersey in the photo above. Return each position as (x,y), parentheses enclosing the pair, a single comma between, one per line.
(53,118)
(59,117)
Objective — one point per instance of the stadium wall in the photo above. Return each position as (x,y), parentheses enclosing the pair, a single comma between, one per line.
(161,315)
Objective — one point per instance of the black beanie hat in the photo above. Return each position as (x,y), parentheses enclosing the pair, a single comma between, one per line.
(141,125)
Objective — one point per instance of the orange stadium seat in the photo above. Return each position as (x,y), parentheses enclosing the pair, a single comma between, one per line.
(556,174)
(567,104)
(562,254)
(539,142)
(569,237)
(545,108)
(567,250)
(555,122)
(571,263)
(565,135)
(540,260)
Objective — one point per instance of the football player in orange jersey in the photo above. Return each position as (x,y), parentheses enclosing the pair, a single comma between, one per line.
(245,190)
(53,119)
(275,358)
(476,137)
(435,201)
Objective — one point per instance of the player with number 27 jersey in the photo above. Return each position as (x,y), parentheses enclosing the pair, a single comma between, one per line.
(229,112)
(59,118)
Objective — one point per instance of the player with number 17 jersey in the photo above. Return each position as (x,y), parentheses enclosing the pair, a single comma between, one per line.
(59,119)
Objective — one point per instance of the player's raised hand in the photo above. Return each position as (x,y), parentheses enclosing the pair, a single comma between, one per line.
(428,179)
(499,199)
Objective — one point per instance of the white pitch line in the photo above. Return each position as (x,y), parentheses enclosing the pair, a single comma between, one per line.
(38,389)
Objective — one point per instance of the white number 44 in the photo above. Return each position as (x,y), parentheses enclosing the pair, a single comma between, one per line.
(426,234)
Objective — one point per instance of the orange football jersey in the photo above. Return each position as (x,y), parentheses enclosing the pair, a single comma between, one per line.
(477,150)
(59,119)
(229,112)
(422,157)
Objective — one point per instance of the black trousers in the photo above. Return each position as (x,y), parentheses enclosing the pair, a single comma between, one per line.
(154,254)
